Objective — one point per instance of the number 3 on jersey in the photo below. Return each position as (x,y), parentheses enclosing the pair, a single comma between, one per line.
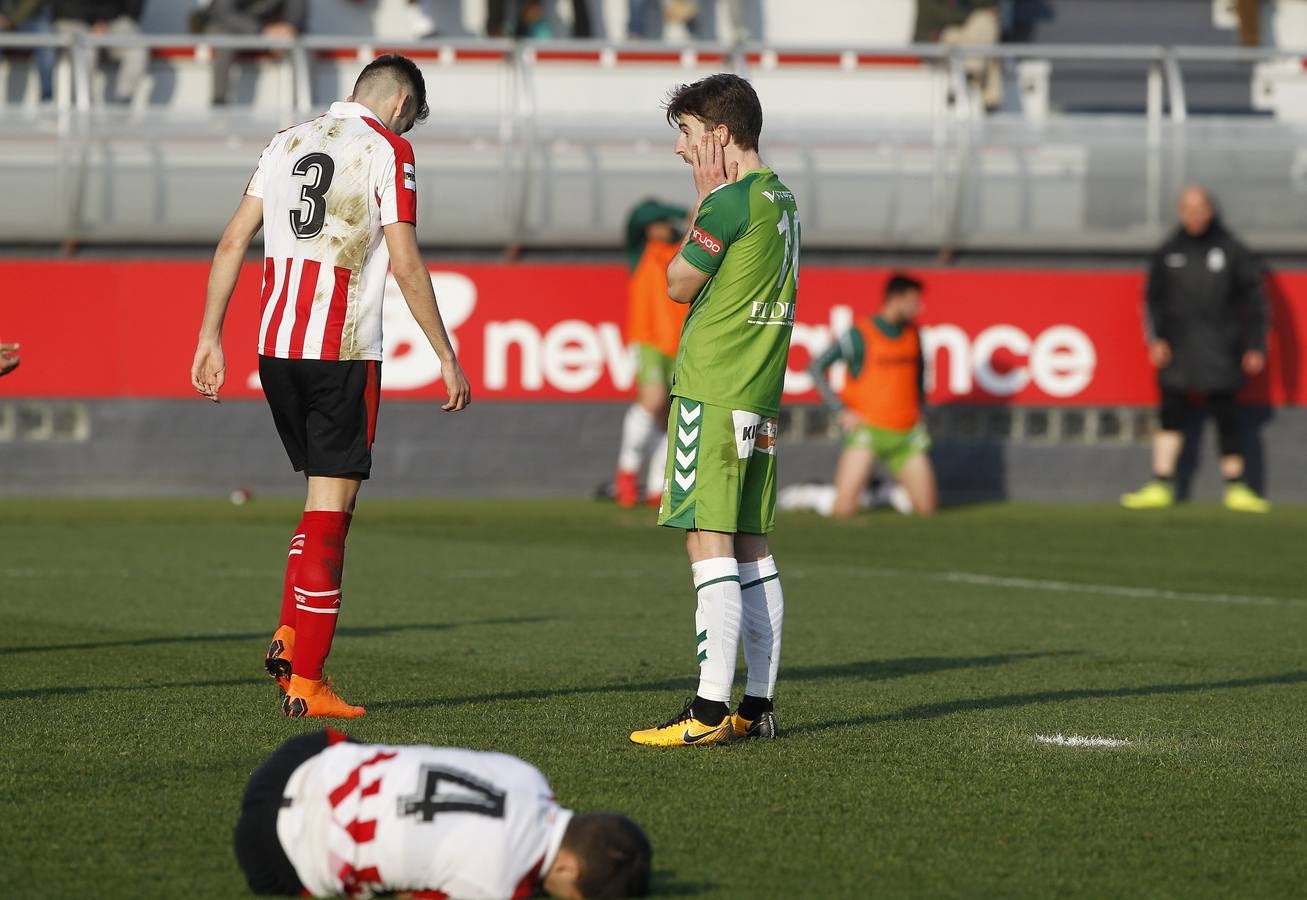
(788,227)
(307,219)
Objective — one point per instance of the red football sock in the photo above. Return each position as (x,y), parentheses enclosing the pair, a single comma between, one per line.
(317,590)
(288,611)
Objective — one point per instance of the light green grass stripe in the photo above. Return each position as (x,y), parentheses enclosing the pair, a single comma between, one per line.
(710,582)
(771,577)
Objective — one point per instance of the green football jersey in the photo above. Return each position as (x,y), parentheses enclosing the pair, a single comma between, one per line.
(736,338)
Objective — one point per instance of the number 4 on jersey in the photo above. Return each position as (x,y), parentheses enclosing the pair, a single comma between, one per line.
(466,794)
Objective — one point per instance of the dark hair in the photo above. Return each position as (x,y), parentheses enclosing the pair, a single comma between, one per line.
(613,852)
(722,99)
(403,72)
(901,283)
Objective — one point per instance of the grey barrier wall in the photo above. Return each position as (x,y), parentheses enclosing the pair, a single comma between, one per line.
(548,145)
(191,448)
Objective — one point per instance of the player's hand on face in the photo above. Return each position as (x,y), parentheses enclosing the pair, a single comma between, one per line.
(1253,362)
(708,162)
(460,392)
(209,371)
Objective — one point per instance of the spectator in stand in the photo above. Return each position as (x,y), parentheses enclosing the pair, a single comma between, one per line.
(1207,322)
(530,19)
(966,23)
(108,17)
(8,358)
(32,17)
(269,18)
(1250,22)
(421,18)
(672,20)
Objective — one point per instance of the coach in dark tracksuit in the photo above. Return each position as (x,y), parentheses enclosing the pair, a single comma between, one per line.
(1206,318)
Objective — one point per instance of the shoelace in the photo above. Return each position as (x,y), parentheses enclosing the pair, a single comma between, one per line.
(684,715)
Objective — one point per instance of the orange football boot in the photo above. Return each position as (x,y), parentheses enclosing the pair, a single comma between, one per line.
(316,700)
(280,653)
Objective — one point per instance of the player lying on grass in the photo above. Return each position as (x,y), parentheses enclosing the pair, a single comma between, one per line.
(738,270)
(329,817)
(336,198)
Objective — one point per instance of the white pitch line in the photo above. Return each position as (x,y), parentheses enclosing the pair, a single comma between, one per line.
(1065,587)
(1075,740)
(1116,590)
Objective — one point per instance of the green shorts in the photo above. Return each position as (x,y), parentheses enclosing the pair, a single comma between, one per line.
(652,366)
(721,469)
(894,447)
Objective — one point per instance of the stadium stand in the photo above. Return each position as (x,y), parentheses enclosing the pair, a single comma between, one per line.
(547,143)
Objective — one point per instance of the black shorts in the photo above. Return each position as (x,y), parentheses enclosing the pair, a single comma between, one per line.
(258,851)
(325,412)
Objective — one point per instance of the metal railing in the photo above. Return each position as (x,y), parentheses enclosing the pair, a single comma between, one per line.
(958,130)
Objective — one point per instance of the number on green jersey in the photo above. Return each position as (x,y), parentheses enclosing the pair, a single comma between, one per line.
(789,229)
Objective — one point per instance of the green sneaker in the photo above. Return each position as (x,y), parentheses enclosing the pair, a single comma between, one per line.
(1154,495)
(1241,498)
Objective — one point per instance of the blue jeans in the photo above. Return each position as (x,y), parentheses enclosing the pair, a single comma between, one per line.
(42,56)
(637,17)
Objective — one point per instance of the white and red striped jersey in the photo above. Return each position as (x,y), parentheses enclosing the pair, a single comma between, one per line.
(366,819)
(328,188)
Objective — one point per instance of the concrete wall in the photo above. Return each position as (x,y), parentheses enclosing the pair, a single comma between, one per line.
(136,447)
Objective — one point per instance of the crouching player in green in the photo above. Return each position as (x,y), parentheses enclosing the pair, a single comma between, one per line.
(738,268)
(880,406)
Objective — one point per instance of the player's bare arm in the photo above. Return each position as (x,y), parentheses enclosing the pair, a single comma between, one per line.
(208,371)
(414,282)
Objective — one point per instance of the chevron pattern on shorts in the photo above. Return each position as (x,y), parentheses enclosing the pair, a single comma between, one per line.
(686,448)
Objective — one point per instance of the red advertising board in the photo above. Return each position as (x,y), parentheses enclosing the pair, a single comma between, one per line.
(554,332)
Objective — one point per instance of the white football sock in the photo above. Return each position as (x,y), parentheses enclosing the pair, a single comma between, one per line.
(657,464)
(636,428)
(717,625)
(763,605)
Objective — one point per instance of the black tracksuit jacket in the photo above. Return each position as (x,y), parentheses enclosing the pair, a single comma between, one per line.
(1205,298)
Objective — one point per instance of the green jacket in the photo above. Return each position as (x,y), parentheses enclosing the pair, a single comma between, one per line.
(19,11)
(933,16)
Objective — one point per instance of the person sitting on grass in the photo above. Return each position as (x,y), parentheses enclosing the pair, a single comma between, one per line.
(880,406)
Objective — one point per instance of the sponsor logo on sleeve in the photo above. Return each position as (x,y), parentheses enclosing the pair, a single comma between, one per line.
(410,177)
(706,241)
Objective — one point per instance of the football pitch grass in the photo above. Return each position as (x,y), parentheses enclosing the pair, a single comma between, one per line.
(922,661)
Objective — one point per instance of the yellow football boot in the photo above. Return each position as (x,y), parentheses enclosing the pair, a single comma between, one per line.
(1154,495)
(1241,498)
(762,727)
(684,731)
